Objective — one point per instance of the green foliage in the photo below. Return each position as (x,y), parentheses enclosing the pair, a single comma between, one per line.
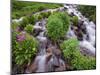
(23,51)
(38,17)
(74,58)
(32,19)
(81,62)
(29,28)
(88,11)
(15,25)
(24,22)
(75,20)
(55,29)
(69,47)
(57,25)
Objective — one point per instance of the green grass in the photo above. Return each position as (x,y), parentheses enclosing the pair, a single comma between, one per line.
(22,8)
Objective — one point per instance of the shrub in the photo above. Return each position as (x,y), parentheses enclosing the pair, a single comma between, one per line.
(69,47)
(38,17)
(24,22)
(29,28)
(55,29)
(74,58)
(81,62)
(23,51)
(75,20)
(57,25)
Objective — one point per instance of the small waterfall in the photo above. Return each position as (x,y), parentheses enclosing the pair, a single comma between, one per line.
(46,62)
(70,33)
(41,57)
(41,63)
(42,39)
(89,43)
(40,60)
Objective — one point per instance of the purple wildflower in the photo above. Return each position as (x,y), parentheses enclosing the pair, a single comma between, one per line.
(21,37)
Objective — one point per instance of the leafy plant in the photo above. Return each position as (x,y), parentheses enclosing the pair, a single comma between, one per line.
(75,20)
(74,58)
(29,28)
(24,22)
(69,47)
(23,51)
(55,29)
(83,62)
(38,17)
(32,19)
(57,25)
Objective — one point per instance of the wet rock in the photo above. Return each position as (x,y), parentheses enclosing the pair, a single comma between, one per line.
(57,64)
(86,52)
(87,47)
(87,37)
(36,32)
(40,24)
(55,61)
(79,34)
(49,50)
(61,67)
(57,53)
(72,14)
(80,23)
(72,27)
(31,68)
(48,56)
(83,28)
(48,45)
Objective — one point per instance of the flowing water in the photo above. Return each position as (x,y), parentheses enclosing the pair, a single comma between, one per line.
(42,46)
(89,43)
